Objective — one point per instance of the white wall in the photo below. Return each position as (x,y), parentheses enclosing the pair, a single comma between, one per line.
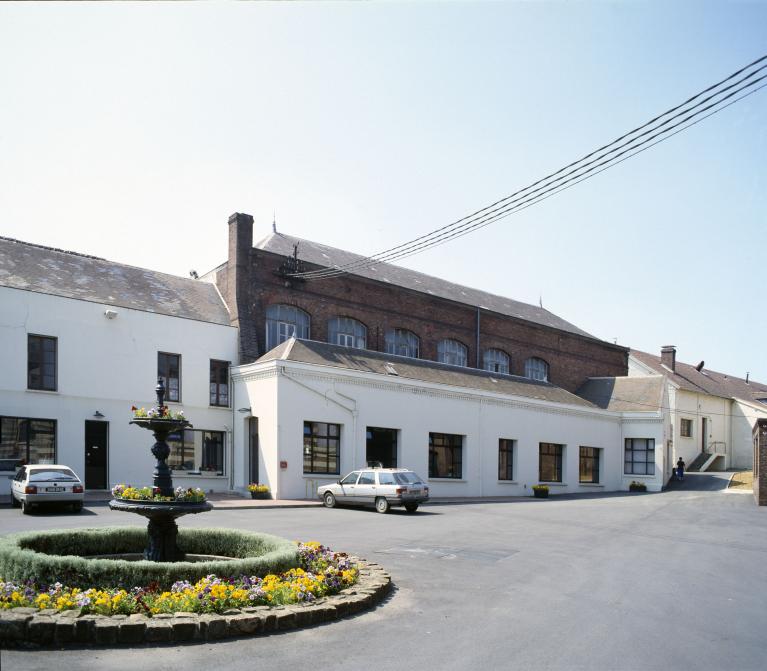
(108,365)
(744,416)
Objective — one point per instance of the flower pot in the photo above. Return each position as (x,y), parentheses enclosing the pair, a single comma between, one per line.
(541,493)
(635,488)
(260,495)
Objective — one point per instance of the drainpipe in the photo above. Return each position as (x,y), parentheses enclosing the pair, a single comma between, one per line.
(477,338)
(231,437)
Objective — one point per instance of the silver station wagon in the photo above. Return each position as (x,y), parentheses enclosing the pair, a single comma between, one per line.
(379,487)
(36,485)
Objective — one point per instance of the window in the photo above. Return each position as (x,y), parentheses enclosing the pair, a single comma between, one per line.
(284,322)
(347,332)
(322,447)
(685,428)
(385,478)
(351,478)
(445,455)
(219,383)
(402,342)
(550,462)
(639,457)
(26,441)
(367,478)
(197,451)
(589,465)
(452,352)
(537,369)
(496,361)
(505,459)
(41,362)
(169,369)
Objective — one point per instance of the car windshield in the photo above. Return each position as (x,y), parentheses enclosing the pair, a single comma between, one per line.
(407,478)
(61,474)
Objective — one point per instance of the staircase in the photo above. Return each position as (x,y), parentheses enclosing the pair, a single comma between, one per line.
(699,461)
(705,460)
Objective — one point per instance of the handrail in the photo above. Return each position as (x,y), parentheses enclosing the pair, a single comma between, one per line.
(717,447)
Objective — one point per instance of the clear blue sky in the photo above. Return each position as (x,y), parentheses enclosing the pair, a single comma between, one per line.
(132,131)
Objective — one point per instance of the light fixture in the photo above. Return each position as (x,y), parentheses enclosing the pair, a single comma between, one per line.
(243,410)
(98,414)
(110,314)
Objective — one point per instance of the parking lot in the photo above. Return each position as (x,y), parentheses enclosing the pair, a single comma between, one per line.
(661,581)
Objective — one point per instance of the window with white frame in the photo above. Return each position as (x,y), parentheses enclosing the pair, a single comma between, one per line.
(588,468)
(639,456)
(550,462)
(402,342)
(506,459)
(497,361)
(685,428)
(347,332)
(284,322)
(452,352)
(537,369)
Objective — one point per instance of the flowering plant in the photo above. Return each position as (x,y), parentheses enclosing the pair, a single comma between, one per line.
(322,572)
(158,412)
(188,495)
(258,489)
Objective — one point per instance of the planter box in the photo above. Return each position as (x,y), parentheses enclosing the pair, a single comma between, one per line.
(637,488)
(260,495)
(541,493)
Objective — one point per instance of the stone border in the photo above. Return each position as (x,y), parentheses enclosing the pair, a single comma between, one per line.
(29,627)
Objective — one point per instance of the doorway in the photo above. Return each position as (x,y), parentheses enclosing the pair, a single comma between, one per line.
(96,453)
(381,449)
(253,448)
(704,434)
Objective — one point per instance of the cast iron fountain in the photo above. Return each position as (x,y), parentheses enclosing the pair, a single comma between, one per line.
(162,529)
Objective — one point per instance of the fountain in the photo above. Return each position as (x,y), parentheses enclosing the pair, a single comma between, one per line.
(162,514)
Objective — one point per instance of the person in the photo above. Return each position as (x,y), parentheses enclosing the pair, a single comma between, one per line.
(680,469)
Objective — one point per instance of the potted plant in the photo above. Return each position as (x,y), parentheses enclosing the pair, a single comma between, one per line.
(637,486)
(259,491)
(540,491)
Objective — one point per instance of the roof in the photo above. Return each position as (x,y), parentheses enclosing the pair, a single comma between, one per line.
(704,381)
(322,255)
(394,367)
(621,394)
(57,272)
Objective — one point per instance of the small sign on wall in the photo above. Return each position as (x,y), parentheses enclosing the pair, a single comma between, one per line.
(283,465)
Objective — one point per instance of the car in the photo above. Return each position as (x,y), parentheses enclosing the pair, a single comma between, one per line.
(379,487)
(38,484)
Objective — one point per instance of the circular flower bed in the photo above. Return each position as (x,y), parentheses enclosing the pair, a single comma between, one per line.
(321,572)
(50,557)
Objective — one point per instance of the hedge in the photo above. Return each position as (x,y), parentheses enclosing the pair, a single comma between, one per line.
(48,557)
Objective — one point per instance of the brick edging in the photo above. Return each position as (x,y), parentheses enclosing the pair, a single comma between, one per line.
(29,627)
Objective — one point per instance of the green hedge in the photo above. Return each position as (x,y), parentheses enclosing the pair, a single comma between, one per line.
(58,556)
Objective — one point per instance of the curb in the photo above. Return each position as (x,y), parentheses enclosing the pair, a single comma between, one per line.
(32,628)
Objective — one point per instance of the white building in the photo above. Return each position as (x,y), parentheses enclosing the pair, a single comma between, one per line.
(82,340)
(712,415)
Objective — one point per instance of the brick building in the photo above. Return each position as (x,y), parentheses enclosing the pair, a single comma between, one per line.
(392,309)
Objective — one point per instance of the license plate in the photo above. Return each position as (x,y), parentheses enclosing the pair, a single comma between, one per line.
(414,492)
(54,489)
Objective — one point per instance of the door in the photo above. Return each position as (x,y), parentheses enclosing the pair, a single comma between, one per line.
(96,448)
(253,448)
(366,488)
(704,435)
(381,448)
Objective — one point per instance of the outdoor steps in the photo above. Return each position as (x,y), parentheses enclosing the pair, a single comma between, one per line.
(699,461)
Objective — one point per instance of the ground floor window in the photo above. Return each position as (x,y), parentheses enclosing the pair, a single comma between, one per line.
(589,465)
(197,451)
(445,455)
(639,456)
(322,447)
(550,462)
(24,440)
(381,447)
(505,459)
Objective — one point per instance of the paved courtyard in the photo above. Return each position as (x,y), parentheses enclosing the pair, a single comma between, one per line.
(661,581)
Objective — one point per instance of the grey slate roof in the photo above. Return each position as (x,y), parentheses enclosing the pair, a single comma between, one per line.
(61,273)
(322,255)
(336,356)
(621,394)
(706,381)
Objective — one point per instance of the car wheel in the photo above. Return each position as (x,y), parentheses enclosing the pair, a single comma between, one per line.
(25,508)
(411,507)
(14,501)
(382,505)
(329,500)
(77,507)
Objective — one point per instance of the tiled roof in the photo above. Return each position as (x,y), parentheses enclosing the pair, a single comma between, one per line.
(61,273)
(400,367)
(639,393)
(704,381)
(322,255)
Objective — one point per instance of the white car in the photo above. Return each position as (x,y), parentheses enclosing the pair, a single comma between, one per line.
(379,487)
(38,484)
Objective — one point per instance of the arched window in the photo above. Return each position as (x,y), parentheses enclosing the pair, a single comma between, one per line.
(283,322)
(453,352)
(402,342)
(347,332)
(536,369)
(497,361)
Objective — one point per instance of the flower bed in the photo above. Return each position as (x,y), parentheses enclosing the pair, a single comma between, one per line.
(158,412)
(181,494)
(321,572)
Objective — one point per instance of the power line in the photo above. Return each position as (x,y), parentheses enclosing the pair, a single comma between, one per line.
(510,204)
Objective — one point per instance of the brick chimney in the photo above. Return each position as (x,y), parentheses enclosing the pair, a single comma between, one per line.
(668,356)
(237,286)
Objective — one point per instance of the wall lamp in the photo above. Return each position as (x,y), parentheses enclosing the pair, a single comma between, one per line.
(243,410)
(110,314)
(98,414)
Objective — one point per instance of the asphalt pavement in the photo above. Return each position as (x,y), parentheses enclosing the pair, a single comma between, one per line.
(674,580)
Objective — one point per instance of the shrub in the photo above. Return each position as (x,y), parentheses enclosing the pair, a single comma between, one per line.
(258,489)
(48,557)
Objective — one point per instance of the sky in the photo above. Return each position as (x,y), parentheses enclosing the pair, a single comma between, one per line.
(132,132)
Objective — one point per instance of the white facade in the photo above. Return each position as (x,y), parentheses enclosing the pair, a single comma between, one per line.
(105,365)
(283,394)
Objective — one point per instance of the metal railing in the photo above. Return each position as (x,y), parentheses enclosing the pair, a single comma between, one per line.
(717,447)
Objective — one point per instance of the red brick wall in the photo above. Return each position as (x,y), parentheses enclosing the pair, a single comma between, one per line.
(760,462)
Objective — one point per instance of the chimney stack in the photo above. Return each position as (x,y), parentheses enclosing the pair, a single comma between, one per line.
(668,357)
